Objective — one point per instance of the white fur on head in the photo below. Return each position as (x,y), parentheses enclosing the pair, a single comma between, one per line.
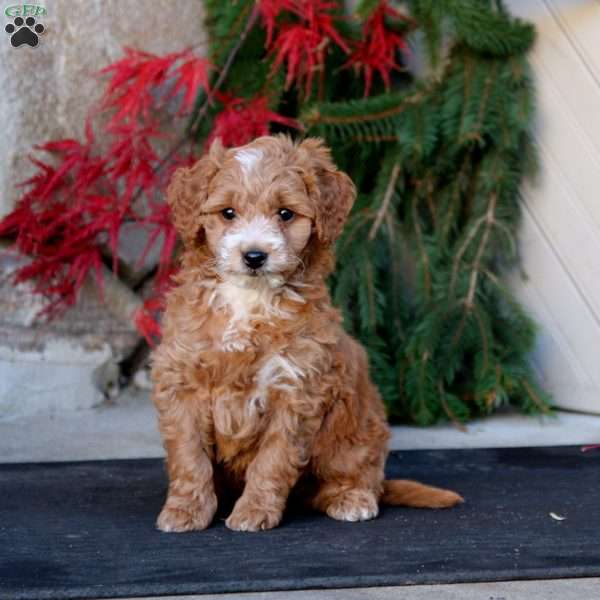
(248,159)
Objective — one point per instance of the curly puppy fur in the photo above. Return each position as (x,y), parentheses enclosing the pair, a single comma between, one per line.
(260,393)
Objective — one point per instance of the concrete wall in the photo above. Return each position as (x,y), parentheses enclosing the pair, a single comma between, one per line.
(45,93)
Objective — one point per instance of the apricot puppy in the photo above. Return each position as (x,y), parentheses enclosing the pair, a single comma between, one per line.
(259,390)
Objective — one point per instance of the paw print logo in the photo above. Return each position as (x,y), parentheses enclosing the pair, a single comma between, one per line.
(24,31)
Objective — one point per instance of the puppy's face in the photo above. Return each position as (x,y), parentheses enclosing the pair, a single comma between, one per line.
(257,208)
(258,218)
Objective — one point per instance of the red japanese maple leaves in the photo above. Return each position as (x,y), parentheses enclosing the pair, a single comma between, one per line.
(300,32)
(69,219)
(140,83)
(242,120)
(378,49)
(301,43)
(71,214)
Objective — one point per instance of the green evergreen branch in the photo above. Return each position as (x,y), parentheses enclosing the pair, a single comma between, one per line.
(485,345)
(487,31)
(250,23)
(428,184)
(451,415)
(472,232)
(383,209)
(366,118)
(422,250)
(509,236)
(422,383)
(455,197)
(539,402)
(395,273)
(489,81)
(489,221)
(375,138)
(225,22)
(351,231)
(468,68)
(370,294)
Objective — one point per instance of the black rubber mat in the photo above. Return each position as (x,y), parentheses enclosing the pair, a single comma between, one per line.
(86,530)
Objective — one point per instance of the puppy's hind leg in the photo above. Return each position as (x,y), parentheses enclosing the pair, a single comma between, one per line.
(348,503)
(350,481)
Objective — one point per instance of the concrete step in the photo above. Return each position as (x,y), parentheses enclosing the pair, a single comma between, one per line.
(126,428)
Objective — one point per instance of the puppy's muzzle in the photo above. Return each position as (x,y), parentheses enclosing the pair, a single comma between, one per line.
(255,259)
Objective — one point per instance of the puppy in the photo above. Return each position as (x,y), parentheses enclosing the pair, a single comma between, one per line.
(259,391)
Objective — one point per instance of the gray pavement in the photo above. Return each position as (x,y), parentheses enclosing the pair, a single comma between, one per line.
(553,589)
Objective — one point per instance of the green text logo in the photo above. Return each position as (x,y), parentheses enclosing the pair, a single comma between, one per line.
(25,10)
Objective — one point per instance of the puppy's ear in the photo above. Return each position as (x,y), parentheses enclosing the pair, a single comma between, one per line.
(188,192)
(332,190)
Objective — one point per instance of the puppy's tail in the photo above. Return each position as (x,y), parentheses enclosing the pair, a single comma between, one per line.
(404,492)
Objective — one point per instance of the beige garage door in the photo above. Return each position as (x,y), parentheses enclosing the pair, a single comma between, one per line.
(560,238)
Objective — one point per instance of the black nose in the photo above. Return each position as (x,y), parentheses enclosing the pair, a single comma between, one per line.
(255,258)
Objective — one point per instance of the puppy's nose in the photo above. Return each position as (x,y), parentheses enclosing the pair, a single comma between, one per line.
(255,258)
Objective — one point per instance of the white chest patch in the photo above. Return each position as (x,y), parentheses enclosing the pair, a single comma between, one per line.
(245,304)
(245,301)
(278,373)
(248,159)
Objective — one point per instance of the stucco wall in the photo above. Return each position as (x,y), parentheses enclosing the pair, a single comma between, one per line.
(45,93)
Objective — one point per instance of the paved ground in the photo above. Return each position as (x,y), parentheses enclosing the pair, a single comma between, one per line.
(127,429)
(563,589)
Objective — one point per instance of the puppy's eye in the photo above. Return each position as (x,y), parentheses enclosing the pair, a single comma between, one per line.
(285,214)
(228,213)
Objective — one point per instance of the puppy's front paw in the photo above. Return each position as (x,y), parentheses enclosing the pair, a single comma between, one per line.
(354,505)
(179,516)
(250,517)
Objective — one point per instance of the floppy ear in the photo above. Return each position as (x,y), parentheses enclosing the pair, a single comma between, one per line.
(188,192)
(332,191)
